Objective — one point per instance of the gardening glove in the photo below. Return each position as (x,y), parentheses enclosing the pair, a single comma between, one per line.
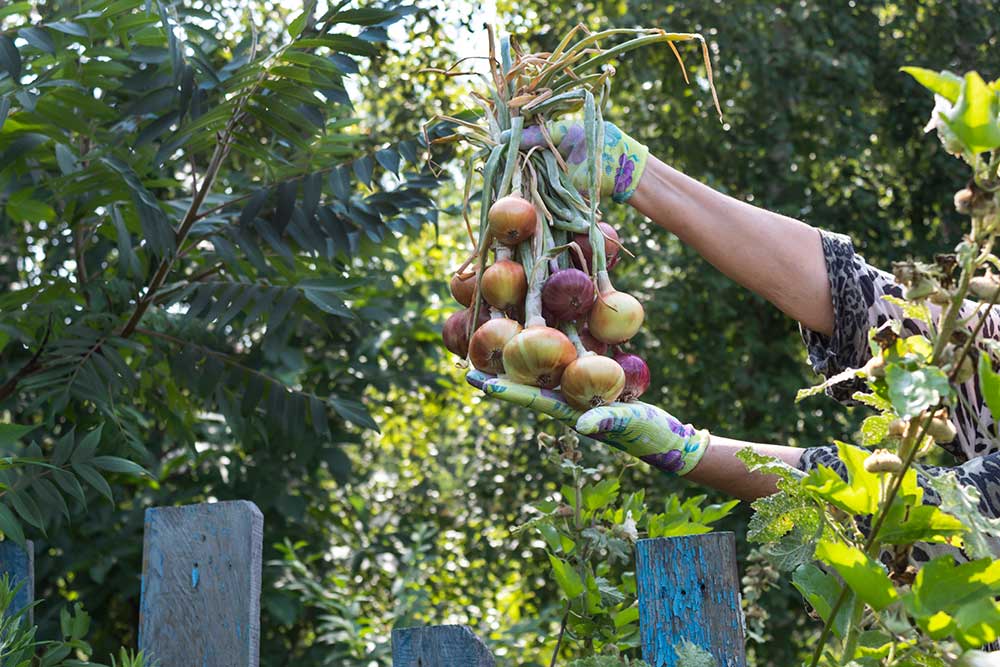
(636,428)
(622,161)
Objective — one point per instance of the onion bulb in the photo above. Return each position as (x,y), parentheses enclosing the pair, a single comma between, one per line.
(487,344)
(538,356)
(636,375)
(504,285)
(568,295)
(611,246)
(512,220)
(590,343)
(456,330)
(592,381)
(615,317)
(463,286)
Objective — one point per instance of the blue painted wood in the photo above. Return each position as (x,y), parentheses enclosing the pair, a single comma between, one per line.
(20,565)
(200,603)
(439,646)
(689,595)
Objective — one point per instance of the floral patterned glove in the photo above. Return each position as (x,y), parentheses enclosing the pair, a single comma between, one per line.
(623,160)
(636,428)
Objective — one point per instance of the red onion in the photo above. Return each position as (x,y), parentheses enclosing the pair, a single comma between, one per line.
(636,376)
(611,246)
(568,295)
(591,343)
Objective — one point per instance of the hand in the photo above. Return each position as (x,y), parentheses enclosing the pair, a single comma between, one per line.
(623,159)
(636,428)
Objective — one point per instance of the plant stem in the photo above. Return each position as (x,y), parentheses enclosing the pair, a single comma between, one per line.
(562,631)
(853,632)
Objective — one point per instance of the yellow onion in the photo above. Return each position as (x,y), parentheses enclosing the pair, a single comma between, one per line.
(615,317)
(505,285)
(538,356)
(486,348)
(512,220)
(592,381)
(463,286)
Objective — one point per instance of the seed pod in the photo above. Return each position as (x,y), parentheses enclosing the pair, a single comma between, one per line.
(965,370)
(882,460)
(897,427)
(985,287)
(941,429)
(875,368)
(963,201)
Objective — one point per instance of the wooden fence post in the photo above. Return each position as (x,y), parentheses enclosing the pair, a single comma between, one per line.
(20,565)
(689,599)
(439,646)
(200,603)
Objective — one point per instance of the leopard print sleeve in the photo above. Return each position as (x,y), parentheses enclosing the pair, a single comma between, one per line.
(858,292)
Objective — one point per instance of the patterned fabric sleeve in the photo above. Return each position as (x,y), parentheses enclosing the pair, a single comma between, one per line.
(857,290)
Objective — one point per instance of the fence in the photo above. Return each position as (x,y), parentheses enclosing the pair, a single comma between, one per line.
(200,603)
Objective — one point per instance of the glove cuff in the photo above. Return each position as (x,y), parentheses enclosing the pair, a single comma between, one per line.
(629,170)
(694,449)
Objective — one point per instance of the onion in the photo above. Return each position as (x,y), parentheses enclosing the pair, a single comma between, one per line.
(463,286)
(505,285)
(512,220)
(487,344)
(636,375)
(592,381)
(538,356)
(615,317)
(568,295)
(591,343)
(456,330)
(611,246)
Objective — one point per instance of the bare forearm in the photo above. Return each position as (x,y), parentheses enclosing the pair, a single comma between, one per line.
(720,469)
(775,256)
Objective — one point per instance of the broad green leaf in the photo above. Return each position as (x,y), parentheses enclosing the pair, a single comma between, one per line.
(354,412)
(297,24)
(600,495)
(10,59)
(859,494)
(925,523)
(975,119)
(875,429)
(11,433)
(946,84)
(22,207)
(864,575)
(27,508)
(567,577)
(89,474)
(120,465)
(912,392)
(821,591)
(989,381)
(38,38)
(10,526)
(946,598)
(88,446)
(962,502)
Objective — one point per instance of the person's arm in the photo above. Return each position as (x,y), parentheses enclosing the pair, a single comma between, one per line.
(721,470)
(775,256)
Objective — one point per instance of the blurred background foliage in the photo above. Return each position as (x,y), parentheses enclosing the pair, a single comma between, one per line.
(412,523)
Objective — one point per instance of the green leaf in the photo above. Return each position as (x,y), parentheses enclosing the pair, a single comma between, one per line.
(946,84)
(925,523)
(875,429)
(10,526)
(859,494)
(38,38)
(89,474)
(912,392)
(10,59)
(68,28)
(354,412)
(989,381)
(567,577)
(975,118)
(11,433)
(21,207)
(325,297)
(821,591)
(297,24)
(864,575)
(843,376)
(27,508)
(963,502)
(118,464)
(363,16)
(600,495)
(88,445)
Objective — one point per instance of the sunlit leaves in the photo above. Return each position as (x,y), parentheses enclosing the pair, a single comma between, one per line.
(975,118)
(913,391)
(949,599)
(866,577)
(944,83)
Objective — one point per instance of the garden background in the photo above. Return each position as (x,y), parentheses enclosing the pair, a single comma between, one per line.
(304,371)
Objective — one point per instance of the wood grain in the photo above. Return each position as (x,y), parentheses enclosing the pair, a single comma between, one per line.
(20,565)
(689,592)
(200,603)
(439,646)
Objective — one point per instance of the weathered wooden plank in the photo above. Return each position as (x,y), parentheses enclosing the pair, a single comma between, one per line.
(689,597)
(20,565)
(439,646)
(200,603)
